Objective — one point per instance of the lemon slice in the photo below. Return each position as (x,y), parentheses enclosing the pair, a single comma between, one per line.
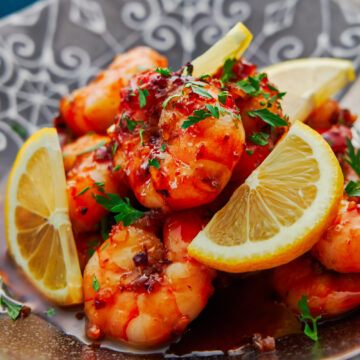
(38,228)
(279,212)
(232,45)
(309,82)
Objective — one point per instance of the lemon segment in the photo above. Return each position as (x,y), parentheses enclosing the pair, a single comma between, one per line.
(309,82)
(38,229)
(279,212)
(232,45)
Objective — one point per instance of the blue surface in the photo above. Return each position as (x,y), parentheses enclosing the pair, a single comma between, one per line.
(9,6)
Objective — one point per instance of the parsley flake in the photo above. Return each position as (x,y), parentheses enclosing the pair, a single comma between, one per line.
(353,189)
(223,97)
(155,163)
(249,152)
(143,94)
(197,88)
(131,124)
(163,147)
(164,105)
(13,309)
(214,110)
(312,333)
(96,285)
(199,115)
(115,147)
(50,312)
(142,136)
(259,138)
(228,73)
(20,130)
(164,71)
(122,208)
(100,144)
(269,117)
(251,85)
(82,192)
(116,168)
(353,156)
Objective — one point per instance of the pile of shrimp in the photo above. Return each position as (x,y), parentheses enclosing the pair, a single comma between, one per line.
(126,137)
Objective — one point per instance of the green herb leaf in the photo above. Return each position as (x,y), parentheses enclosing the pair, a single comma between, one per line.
(249,152)
(142,136)
(50,312)
(82,192)
(116,168)
(269,117)
(100,144)
(353,189)
(164,71)
(259,138)
(20,130)
(353,156)
(251,85)
(228,73)
(105,246)
(13,309)
(193,119)
(223,97)
(155,163)
(115,147)
(143,94)
(163,147)
(272,88)
(125,212)
(312,333)
(168,99)
(96,285)
(214,110)
(202,92)
(202,77)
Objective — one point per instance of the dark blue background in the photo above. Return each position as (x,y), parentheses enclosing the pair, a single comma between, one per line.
(10,6)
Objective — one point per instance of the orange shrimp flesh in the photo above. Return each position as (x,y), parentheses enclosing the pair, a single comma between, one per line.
(170,161)
(89,173)
(94,107)
(328,293)
(143,292)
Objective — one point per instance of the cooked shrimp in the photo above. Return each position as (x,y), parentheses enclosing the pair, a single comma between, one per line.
(143,292)
(89,173)
(339,247)
(175,156)
(94,107)
(328,293)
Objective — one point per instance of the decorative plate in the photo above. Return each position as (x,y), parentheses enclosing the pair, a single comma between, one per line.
(55,46)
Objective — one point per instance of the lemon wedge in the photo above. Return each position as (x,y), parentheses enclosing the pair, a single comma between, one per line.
(38,228)
(279,212)
(232,45)
(309,82)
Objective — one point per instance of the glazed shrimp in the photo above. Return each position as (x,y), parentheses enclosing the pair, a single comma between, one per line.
(328,293)
(176,154)
(146,292)
(94,107)
(339,247)
(88,175)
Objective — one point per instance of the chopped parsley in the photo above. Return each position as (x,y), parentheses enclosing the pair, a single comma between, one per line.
(115,147)
(96,285)
(223,97)
(269,117)
(13,309)
(312,333)
(352,189)
(116,168)
(100,144)
(131,124)
(214,110)
(197,88)
(164,71)
(203,77)
(259,138)
(228,73)
(155,163)
(163,147)
(251,85)
(50,312)
(143,94)
(123,209)
(82,192)
(20,130)
(105,246)
(164,105)
(142,136)
(199,115)
(249,152)
(353,156)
